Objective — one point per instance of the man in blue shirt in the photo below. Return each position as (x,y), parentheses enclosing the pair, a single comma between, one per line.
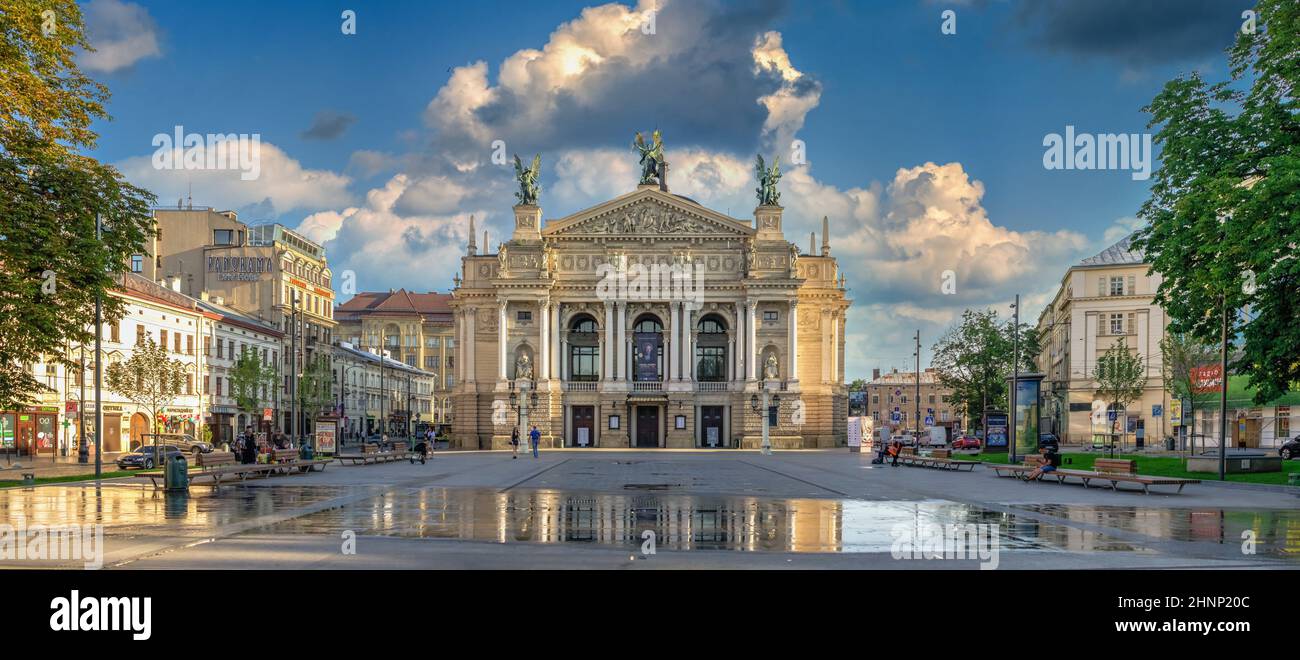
(534,436)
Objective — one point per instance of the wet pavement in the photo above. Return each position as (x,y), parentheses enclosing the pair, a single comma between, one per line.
(781,510)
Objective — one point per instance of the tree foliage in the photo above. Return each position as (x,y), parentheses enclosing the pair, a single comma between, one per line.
(974,359)
(149,378)
(249,379)
(1120,375)
(52,267)
(1223,219)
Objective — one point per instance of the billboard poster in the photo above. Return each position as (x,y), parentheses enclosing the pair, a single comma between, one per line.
(324,438)
(1207,379)
(995,430)
(646,363)
(1027,416)
(1176,412)
(855,434)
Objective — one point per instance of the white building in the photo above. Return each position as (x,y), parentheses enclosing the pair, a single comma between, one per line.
(227,335)
(367,390)
(1102,300)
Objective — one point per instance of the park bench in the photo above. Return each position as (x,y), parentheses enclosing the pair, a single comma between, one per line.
(216,466)
(938,458)
(1113,470)
(371,453)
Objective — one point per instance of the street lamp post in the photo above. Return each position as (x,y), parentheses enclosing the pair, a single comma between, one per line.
(766,403)
(1015,378)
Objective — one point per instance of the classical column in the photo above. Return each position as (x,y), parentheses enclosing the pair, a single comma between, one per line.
(501,340)
(751,354)
(471,329)
(607,351)
(738,340)
(794,341)
(688,343)
(544,339)
(828,345)
(557,331)
(620,313)
(671,363)
(731,366)
(564,364)
(835,347)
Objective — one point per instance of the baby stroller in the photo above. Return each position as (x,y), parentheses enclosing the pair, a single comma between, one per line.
(422,449)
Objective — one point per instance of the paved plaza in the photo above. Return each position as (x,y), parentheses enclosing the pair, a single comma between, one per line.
(576,509)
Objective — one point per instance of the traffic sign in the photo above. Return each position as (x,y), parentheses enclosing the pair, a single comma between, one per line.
(1157,410)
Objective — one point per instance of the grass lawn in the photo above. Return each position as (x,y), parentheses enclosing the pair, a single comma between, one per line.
(14,483)
(1159,466)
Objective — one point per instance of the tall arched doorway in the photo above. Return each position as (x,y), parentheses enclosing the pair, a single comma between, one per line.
(647,367)
(139,427)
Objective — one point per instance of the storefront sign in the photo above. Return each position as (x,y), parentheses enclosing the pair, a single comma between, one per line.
(1207,379)
(240,268)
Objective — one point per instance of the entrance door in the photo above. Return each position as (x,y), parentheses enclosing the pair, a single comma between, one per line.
(112,432)
(139,427)
(584,426)
(711,426)
(647,426)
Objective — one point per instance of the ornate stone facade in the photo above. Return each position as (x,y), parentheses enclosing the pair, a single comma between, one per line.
(649,321)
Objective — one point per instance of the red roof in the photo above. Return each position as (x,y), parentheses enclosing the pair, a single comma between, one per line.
(396,303)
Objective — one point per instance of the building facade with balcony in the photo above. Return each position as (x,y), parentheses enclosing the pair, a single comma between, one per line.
(649,320)
(377,395)
(1102,300)
(890,400)
(413,328)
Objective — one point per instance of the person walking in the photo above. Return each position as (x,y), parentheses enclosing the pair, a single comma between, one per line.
(514,442)
(535,437)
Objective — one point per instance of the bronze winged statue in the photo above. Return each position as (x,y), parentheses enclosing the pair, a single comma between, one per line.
(652,156)
(528,187)
(767,178)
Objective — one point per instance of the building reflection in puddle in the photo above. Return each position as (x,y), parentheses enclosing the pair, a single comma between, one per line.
(1274,532)
(679,522)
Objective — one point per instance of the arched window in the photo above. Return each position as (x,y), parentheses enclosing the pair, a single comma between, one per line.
(583,324)
(648,324)
(711,350)
(584,350)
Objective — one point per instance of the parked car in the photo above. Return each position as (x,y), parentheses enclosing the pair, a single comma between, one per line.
(1049,439)
(1290,449)
(144,459)
(966,442)
(905,438)
(183,441)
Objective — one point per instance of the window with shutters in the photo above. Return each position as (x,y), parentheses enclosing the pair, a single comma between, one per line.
(139,334)
(1132,285)
(207,346)
(162,339)
(1132,323)
(189,344)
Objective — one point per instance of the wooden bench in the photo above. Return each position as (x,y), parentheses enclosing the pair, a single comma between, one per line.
(938,458)
(371,453)
(1113,470)
(216,466)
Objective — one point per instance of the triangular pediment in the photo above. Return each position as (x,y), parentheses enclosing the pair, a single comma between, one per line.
(648,212)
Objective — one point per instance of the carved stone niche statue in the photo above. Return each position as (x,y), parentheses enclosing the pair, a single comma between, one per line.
(770,370)
(523,367)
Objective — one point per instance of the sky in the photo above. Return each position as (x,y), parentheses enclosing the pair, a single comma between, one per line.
(924,146)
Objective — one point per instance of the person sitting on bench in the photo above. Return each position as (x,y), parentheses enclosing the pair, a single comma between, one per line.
(1051,461)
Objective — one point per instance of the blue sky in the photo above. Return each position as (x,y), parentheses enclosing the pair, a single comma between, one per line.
(877,90)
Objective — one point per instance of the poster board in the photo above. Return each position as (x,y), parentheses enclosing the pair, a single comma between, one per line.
(855,434)
(326,436)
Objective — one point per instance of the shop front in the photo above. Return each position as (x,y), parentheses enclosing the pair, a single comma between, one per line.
(30,432)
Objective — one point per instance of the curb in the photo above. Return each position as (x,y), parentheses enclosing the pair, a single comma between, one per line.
(1273,488)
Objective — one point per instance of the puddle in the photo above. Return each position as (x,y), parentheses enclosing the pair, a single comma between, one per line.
(678,520)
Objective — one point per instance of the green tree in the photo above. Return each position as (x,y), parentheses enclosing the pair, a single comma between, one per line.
(52,266)
(974,359)
(1121,378)
(148,378)
(1180,355)
(1223,219)
(315,387)
(249,379)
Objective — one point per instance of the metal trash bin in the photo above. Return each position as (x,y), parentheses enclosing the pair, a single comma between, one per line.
(177,474)
(305,452)
(1169,442)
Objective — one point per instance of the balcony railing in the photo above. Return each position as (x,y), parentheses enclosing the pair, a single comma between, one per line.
(579,386)
(647,386)
(712,386)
